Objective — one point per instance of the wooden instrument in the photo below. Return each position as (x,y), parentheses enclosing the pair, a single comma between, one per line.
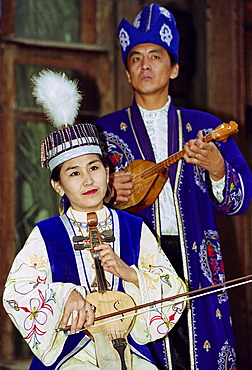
(150,177)
(107,302)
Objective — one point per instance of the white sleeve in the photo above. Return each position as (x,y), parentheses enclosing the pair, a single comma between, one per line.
(34,303)
(217,188)
(157,280)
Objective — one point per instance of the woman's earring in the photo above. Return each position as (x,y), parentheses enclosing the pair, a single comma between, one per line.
(107,197)
(61,206)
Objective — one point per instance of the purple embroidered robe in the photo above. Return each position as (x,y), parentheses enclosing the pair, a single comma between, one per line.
(211,339)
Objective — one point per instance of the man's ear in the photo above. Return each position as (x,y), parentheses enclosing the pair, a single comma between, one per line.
(174,71)
(128,76)
(56,186)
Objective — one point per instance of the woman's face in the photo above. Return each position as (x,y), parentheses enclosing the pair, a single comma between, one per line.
(84,180)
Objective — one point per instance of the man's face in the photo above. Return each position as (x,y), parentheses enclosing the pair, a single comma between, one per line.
(149,69)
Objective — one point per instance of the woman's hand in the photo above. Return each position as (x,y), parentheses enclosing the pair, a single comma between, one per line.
(205,155)
(113,264)
(79,310)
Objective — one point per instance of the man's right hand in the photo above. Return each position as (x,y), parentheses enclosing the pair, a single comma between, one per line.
(122,186)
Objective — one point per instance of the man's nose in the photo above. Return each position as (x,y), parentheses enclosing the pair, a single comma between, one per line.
(145,63)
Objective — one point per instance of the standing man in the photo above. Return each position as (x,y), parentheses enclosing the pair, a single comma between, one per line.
(212,176)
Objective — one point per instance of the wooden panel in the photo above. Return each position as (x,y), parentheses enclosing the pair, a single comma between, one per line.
(7,23)
(225,59)
(88,15)
(7,191)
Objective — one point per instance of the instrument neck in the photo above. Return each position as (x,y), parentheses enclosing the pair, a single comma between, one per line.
(95,239)
(100,275)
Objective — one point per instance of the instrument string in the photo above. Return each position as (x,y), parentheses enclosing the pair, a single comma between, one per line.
(158,167)
(114,330)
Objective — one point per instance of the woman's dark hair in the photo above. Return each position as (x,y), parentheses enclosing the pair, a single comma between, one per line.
(55,175)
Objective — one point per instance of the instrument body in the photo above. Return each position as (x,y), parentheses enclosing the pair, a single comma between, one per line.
(149,177)
(108,302)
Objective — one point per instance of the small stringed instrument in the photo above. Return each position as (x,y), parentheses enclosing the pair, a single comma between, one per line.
(149,177)
(107,301)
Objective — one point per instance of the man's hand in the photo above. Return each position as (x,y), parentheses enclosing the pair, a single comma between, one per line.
(122,186)
(205,155)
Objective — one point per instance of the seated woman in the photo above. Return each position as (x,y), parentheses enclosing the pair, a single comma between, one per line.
(54,275)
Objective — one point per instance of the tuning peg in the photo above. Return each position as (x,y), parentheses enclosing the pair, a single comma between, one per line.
(107,236)
(78,238)
(81,246)
(109,239)
(80,242)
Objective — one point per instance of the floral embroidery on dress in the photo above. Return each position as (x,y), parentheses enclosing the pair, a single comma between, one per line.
(235,193)
(119,151)
(147,262)
(37,316)
(207,345)
(166,323)
(149,281)
(37,261)
(166,279)
(227,357)
(210,258)
(188,127)
(123,126)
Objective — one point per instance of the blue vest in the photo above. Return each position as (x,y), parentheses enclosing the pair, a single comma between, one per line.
(64,269)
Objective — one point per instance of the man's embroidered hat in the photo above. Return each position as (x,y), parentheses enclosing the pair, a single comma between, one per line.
(60,99)
(155,25)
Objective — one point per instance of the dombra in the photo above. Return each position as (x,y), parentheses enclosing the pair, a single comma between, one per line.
(149,177)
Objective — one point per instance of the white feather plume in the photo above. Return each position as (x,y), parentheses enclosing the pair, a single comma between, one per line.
(58,95)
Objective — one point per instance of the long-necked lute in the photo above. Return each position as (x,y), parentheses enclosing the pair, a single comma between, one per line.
(149,177)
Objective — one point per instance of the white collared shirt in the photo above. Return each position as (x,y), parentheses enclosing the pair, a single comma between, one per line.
(156,123)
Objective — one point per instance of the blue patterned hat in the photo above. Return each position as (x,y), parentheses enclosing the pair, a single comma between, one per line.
(60,99)
(155,25)
(69,142)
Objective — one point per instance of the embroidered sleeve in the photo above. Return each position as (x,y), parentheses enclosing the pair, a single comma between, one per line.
(231,195)
(234,193)
(157,279)
(33,302)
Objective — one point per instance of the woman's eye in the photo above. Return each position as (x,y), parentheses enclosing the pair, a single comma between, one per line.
(93,168)
(75,173)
